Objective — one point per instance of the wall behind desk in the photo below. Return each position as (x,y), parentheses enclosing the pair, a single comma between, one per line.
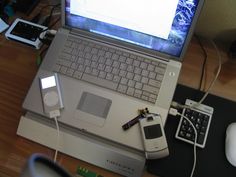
(218,20)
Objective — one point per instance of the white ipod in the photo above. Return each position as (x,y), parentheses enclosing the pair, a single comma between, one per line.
(51,93)
(153,135)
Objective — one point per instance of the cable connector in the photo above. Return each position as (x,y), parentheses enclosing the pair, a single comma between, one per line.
(177,105)
(54,113)
(52,32)
(173,112)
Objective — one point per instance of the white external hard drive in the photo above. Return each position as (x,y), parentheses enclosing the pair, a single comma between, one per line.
(25,32)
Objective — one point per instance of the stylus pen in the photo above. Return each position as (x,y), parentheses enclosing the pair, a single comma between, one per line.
(132,122)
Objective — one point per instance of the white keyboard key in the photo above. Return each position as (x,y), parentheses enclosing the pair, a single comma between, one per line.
(95,72)
(116,79)
(137,78)
(124,81)
(130,75)
(138,85)
(131,83)
(144,80)
(69,72)
(152,75)
(160,70)
(109,76)
(154,83)
(137,93)
(130,91)
(102,74)
(122,88)
(150,89)
(77,74)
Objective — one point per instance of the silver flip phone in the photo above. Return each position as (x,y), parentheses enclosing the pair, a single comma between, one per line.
(153,135)
(51,93)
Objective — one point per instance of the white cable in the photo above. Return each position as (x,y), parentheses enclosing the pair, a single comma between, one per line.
(58,138)
(194,144)
(55,114)
(177,105)
(175,112)
(217,74)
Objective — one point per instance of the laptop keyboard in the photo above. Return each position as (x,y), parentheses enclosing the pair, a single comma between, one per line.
(111,68)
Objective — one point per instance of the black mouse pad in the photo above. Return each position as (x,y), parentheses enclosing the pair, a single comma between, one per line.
(211,161)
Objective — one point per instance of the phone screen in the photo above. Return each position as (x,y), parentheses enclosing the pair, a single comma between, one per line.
(152,131)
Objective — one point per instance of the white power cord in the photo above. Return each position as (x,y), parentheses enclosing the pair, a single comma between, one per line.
(58,138)
(174,112)
(217,74)
(177,105)
(55,114)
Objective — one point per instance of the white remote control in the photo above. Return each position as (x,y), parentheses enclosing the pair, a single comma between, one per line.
(51,93)
(153,135)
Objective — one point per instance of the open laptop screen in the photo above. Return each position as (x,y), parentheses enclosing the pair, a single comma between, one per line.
(155,24)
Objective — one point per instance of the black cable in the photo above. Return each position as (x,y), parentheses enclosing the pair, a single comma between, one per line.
(204,61)
(36,18)
(55,22)
(43,40)
(40,57)
(50,5)
(48,19)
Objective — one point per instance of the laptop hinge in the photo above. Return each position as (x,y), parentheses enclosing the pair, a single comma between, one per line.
(64,30)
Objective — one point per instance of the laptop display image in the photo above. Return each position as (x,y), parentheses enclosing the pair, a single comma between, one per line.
(157,25)
(113,58)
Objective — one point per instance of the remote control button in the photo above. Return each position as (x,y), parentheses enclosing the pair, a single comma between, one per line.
(200,138)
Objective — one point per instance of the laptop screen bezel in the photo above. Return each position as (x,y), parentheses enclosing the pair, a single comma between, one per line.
(133,47)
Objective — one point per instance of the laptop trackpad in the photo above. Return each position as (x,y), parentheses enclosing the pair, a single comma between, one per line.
(93,108)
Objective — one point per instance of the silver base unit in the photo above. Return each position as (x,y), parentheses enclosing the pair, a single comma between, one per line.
(76,143)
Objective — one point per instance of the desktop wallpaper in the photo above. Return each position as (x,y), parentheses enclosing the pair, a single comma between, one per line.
(172,45)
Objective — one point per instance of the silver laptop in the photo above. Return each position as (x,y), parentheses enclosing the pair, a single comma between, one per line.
(114,58)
